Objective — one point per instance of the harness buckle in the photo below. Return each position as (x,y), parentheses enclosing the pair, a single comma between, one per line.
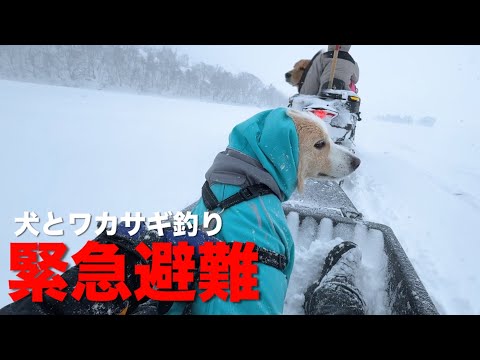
(246,193)
(282,261)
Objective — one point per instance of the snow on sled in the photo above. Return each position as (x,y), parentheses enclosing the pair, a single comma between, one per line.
(322,217)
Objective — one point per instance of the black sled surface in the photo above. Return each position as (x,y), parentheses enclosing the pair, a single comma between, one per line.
(406,292)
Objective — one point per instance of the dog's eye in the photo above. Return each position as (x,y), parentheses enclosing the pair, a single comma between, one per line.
(319,144)
(302,68)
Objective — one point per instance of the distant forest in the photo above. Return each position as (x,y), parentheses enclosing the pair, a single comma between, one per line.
(142,69)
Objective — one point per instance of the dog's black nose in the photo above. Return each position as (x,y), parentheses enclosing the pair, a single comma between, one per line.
(355,163)
(288,75)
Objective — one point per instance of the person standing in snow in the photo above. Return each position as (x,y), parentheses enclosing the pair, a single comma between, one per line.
(316,77)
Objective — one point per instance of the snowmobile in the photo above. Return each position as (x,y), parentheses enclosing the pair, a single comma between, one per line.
(339,109)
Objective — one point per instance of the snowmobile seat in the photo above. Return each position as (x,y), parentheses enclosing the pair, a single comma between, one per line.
(337,85)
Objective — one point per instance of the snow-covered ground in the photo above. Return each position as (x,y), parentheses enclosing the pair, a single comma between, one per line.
(423,182)
(85,151)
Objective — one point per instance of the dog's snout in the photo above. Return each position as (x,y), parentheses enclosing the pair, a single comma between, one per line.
(355,163)
(288,75)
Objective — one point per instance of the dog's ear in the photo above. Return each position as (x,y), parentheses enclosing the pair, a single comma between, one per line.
(304,64)
(300,176)
(298,120)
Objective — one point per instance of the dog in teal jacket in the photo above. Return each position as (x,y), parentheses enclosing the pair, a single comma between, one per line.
(279,147)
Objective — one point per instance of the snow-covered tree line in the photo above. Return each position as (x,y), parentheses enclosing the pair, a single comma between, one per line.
(159,70)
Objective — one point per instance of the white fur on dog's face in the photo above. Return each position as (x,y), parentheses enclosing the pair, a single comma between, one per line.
(319,156)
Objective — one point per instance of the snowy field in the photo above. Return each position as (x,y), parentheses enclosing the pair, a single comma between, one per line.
(86,151)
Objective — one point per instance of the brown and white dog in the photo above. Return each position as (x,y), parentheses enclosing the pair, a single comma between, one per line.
(261,220)
(294,76)
(319,156)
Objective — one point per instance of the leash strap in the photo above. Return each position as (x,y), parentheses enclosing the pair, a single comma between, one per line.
(246,193)
(265,256)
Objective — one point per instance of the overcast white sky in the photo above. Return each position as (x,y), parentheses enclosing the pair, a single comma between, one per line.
(423,80)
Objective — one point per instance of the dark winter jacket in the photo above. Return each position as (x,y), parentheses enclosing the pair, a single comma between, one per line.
(317,76)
